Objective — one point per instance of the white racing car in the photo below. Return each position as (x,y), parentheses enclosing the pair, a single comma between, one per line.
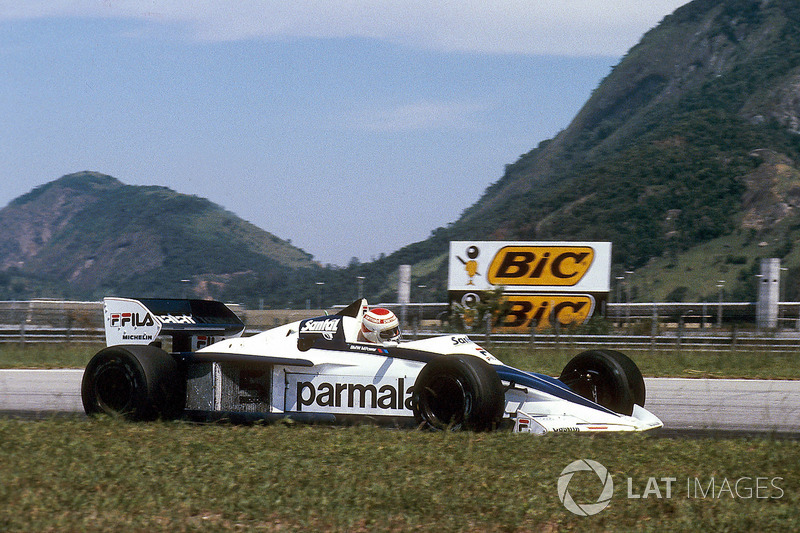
(318,370)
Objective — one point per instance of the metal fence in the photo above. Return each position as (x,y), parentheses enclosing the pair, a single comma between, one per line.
(33,334)
(729,341)
(645,326)
(51,321)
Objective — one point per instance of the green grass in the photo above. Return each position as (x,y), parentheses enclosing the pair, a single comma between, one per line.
(698,269)
(729,364)
(673,363)
(733,258)
(42,355)
(103,474)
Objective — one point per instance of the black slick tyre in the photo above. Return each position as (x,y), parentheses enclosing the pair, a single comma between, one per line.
(606,377)
(458,392)
(133,382)
(634,375)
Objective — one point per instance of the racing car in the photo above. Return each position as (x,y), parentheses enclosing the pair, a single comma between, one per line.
(321,370)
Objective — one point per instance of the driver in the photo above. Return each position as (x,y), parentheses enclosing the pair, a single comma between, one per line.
(379,326)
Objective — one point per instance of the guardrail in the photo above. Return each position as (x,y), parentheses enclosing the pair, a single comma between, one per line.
(719,342)
(44,334)
(45,321)
(670,341)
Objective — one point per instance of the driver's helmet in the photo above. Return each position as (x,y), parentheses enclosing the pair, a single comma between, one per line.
(380,325)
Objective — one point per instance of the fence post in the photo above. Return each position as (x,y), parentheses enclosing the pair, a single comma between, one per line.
(22,333)
(653,328)
(555,323)
(703,317)
(533,333)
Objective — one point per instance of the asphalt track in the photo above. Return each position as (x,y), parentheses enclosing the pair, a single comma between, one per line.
(686,406)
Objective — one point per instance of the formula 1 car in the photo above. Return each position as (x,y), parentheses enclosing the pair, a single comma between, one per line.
(316,370)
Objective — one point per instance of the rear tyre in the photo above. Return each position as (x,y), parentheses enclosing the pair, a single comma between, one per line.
(606,377)
(133,382)
(458,392)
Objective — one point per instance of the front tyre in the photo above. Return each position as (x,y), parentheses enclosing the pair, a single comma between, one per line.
(133,382)
(458,392)
(606,377)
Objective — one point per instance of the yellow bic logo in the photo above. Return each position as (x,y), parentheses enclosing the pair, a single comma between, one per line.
(562,266)
(541,310)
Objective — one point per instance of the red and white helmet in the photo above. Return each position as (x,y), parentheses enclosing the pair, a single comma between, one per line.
(380,325)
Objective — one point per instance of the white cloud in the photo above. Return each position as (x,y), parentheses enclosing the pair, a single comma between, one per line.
(419,115)
(557,27)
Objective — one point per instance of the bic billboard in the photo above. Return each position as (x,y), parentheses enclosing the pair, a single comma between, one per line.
(541,281)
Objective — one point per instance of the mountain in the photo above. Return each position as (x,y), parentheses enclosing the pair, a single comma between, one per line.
(88,235)
(685,157)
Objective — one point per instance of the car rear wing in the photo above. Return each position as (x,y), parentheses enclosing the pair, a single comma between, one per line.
(192,324)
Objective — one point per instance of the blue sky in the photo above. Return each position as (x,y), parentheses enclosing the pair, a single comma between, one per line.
(351,128)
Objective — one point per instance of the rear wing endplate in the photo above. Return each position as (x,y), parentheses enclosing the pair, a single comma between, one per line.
(192,324)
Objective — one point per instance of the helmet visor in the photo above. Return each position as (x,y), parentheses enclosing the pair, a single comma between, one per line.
(389,334)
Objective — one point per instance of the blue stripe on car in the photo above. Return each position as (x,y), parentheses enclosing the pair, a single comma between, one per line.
(546,384)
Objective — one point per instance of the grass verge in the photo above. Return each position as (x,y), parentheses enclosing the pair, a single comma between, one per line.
(103,474)
(726,364)
(738,364)
(44,355)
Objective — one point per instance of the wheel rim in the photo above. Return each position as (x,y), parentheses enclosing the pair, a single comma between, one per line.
(594,386)
(445,402)
(114,388)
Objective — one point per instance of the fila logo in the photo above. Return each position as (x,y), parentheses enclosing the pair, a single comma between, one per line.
(131,319)
(540,265)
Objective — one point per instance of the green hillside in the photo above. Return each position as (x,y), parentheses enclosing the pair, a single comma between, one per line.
(689,145)
(88,235)
(685,157)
